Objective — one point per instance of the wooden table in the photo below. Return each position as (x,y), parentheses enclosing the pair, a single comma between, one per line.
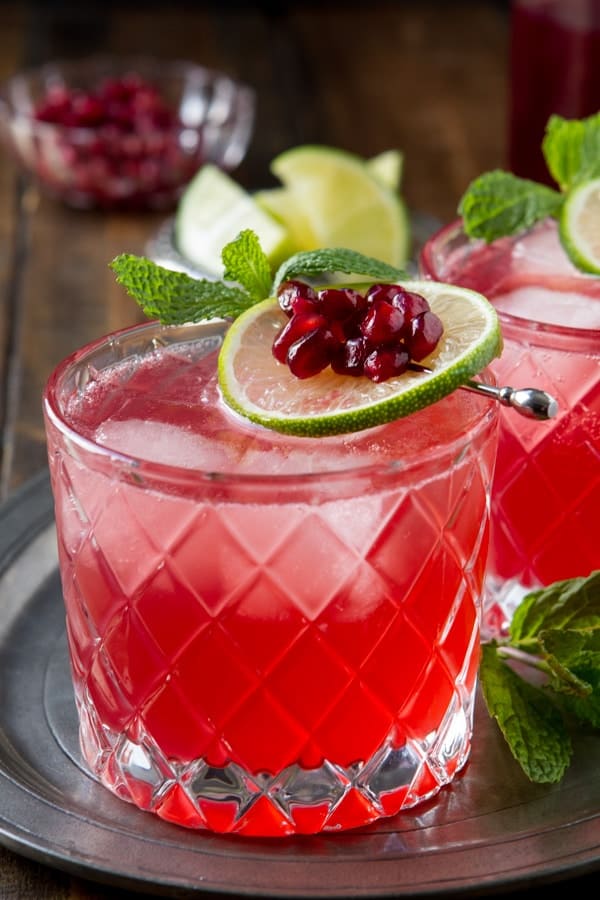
(428,77)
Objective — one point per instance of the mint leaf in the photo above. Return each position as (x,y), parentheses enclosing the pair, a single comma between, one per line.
(567,654)
(573,658)
(571,148)
(554,631)
(585,707)
(173,297)
(530,722)
(573,604)
(498,204)
(246,262)
(573,649)
(350,262)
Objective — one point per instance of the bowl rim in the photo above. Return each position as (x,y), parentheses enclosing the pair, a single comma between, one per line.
(244,93)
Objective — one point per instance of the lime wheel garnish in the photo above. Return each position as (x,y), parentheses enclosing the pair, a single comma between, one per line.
(580,226)
(262,389)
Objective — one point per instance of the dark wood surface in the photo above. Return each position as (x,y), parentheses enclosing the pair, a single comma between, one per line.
(427,76)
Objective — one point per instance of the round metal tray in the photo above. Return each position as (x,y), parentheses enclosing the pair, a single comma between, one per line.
(492,830)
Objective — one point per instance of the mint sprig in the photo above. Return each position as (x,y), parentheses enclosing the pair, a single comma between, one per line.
(571,148)
(498,203)
(175,298)
(546,674)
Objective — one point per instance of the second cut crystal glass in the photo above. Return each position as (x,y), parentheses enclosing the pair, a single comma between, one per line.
(547,482)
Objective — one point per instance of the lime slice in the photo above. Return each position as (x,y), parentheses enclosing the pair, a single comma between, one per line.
(344,203)
(263,390)
(580,226)
(387,167)
(212,211)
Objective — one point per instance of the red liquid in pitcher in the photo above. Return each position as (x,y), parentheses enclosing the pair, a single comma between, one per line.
(555,68)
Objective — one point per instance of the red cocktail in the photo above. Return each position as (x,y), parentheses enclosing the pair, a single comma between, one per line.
(269,635)
(547,483)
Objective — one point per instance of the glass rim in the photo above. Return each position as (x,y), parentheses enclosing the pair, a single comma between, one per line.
(428,267)
(395,467)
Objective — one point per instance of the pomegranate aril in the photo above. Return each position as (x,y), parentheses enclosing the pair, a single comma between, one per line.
(297,327)
(296,297)
(410,304)
(382,292)
(386,362)
(382,323)
(302,305)
(113,88)
(338,331)
(87,110)
(349,358)
(426,330)
(311,353)
(162,119)
(340,303)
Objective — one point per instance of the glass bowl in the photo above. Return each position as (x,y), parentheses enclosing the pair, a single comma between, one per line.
(123,133)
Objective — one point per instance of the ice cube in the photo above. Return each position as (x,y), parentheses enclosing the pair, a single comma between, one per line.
(163,443)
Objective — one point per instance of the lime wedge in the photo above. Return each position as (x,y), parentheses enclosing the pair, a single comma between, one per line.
(212,211)
(279,203)
(263,390)
(387,167)
(580,226)
(344,204)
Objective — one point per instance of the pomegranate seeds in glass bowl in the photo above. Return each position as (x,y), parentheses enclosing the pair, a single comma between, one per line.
(124,133)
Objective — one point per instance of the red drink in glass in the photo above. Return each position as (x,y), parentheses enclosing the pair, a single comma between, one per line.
(546,492)
(269,635)
(555,68)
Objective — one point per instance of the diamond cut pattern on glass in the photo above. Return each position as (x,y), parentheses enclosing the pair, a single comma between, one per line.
(540,495)
(296,800)
(336,674)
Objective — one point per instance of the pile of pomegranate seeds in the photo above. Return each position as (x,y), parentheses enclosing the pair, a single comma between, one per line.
(119,145)
(128,104)
(377,334)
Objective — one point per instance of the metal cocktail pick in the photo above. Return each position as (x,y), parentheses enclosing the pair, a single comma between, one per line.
(529,402)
